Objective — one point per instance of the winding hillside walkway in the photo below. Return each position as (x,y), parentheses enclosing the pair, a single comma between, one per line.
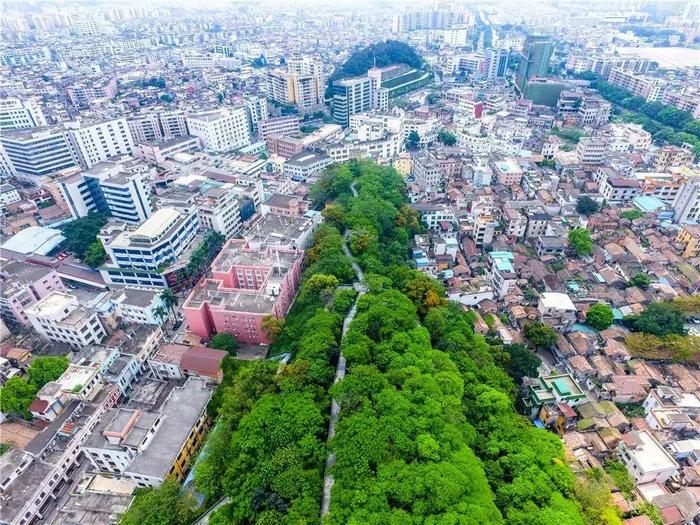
(328,479)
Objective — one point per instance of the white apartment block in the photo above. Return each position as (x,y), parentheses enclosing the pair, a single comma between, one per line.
(592,150)
(650,89)
(427,129)
(426,171)
(686,207)
(619,189)
(278,126)
(16,114)
(59,317)
(137,254)
(646,460)
(121,189)
(218,210)
(257,110)
(221,130)
(36,152)
(157,127)
(100,141)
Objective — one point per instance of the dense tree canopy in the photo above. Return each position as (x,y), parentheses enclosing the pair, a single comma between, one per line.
(586,206)
(427,430)
(381,54)
(539,334)
(224,341)
(641,280)
(16,395)
(81,233)
(580,241)
(659,319)
(161,506)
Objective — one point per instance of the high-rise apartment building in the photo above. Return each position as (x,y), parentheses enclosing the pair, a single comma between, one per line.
(37,151)
(686,207)
(650,89)
(119,189)
(17,114)
(221,130)
(157,127)
(496,63)
(300,85)
(95,142)
(256,109)
(351,96)
(534,59)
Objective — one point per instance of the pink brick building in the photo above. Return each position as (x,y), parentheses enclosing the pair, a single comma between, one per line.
(246,286)
(23,284)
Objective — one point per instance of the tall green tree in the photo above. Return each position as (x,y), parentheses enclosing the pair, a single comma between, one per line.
(224,341)
(95,255)
(447,138)
(170,300)
(412,140)
(539,334)
(586,206)
(580,241)
(521,363)
(44,369)
(81,233)
(600,316)
(16,395)
(659,319)
(164,505)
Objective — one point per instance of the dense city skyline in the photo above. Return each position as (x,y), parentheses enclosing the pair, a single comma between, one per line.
(350,262)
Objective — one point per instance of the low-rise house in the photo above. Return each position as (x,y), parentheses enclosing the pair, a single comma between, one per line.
(556,309)
(668,398)
(76,383)
(560,388)
(559,416)
(616,350)
(603,368)
(668,419)
(626,389)
(176,361)
(550,245)
(581,367)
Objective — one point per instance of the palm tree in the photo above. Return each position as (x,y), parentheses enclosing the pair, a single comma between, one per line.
(170,300)
(161,313)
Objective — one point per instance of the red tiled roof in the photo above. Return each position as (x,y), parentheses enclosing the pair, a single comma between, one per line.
(202,360)
(39,406)
(671,514)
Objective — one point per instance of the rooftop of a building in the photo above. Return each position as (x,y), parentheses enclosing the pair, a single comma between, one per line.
(648,453)
(34,239)
(557,301)
(56,304)
(307,158)
(278,229)
(179,414)
(139,297)
(158,226)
